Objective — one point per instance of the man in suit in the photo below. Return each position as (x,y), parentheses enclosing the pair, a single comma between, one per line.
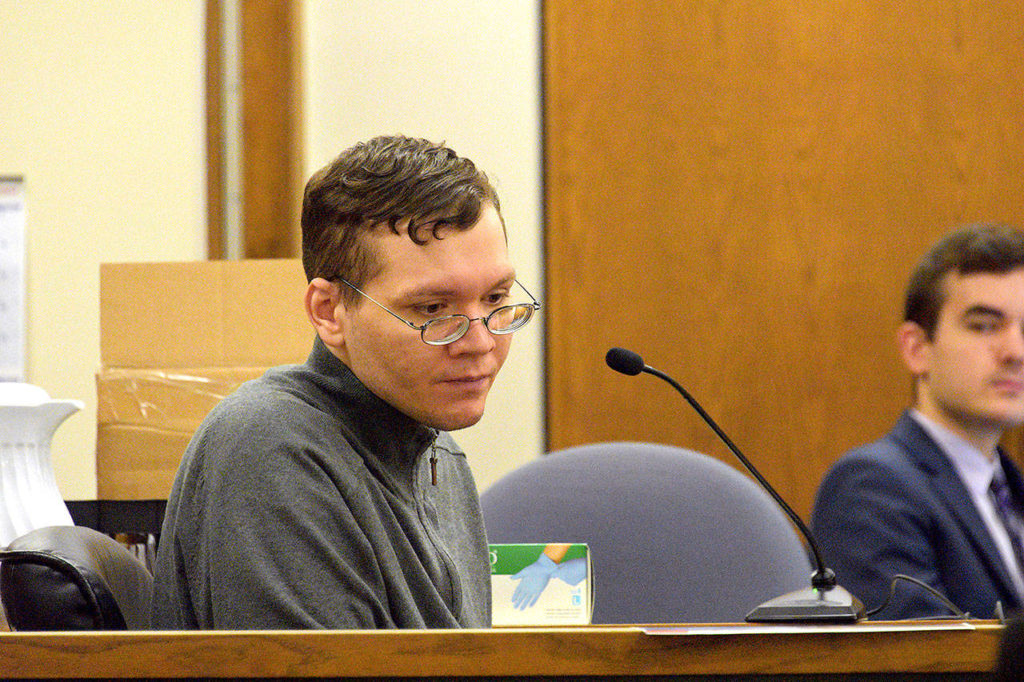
(936,499)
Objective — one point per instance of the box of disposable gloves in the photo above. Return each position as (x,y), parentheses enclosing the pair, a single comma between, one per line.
(541,584)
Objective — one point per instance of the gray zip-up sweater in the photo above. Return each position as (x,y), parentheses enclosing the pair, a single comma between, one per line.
(304,501)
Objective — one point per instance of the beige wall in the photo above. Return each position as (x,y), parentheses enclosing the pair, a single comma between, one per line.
(467,72)
(102,112)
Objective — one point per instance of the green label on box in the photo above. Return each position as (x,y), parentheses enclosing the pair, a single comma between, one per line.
(510,559)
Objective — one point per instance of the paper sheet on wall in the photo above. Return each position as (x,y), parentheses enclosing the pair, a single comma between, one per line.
(12,279)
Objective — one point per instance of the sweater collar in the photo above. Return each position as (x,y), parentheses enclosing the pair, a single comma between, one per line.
(390,435)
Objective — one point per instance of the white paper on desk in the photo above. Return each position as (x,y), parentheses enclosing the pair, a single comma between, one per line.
(12,279)
(803,629)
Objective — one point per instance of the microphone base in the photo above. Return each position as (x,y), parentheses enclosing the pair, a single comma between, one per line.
(834,605)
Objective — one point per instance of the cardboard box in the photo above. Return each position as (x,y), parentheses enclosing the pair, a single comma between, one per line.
(529,588)
(175,338)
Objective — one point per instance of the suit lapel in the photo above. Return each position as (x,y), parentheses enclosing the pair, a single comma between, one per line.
(1013,475)
(948,488)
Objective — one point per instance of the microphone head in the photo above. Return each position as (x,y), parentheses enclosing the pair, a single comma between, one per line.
(624,361)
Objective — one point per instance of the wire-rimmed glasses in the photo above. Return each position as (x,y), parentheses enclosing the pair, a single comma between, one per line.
(450,328)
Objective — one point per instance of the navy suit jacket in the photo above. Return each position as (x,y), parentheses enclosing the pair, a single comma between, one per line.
(898,506)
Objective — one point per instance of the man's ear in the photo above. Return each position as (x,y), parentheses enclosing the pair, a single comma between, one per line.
(915,348)
(322,307)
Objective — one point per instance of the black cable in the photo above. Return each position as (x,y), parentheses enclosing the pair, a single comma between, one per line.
(954,609)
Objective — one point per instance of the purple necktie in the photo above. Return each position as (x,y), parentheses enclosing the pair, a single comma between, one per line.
(1009,514)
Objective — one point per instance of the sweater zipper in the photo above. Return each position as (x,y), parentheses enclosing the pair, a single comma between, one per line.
(433,460)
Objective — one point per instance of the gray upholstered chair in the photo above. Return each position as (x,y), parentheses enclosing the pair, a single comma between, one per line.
(73,578)
(675,536)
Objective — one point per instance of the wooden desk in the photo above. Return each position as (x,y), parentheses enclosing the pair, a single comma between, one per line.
(744,652)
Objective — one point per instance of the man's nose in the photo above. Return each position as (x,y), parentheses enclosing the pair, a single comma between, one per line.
(1012,346)
(477,339)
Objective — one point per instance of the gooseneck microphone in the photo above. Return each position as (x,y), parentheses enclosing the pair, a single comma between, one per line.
(826,600)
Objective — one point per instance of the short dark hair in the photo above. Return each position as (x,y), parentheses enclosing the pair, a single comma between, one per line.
(982,247)
(385,181)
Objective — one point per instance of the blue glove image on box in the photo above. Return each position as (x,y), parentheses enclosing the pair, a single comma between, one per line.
(573,571)
(532,581)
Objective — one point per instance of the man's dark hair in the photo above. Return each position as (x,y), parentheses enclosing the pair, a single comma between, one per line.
(383,182)
(984,247)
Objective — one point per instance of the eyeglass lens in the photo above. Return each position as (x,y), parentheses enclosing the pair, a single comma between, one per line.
(502,321)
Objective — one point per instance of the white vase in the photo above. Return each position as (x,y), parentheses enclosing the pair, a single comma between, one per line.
(29,497)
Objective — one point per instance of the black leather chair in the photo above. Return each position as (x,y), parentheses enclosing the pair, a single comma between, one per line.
(73,578)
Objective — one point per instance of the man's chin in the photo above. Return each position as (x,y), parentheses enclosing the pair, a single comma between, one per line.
(1007,413)
(999,420)
(455,420)
(1011,420)
(457,423)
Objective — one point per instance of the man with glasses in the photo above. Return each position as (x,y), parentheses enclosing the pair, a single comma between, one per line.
(329,494)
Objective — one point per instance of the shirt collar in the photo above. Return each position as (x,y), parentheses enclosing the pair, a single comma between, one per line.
(974,468)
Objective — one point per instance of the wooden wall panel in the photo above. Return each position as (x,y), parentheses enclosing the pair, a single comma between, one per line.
(271,144)
(215,143)
(272,141)
(738,190)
